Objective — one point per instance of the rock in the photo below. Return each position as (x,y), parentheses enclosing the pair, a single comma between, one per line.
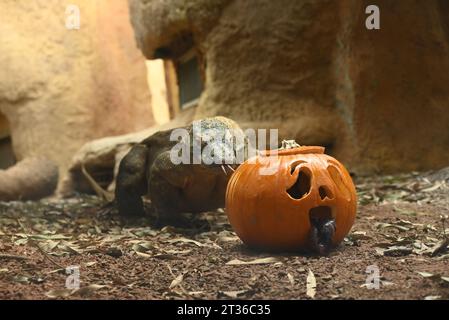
(30,179)
(61,88)
(377,99)
(101,158)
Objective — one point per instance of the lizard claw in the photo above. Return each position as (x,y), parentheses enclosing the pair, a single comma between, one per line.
(224,170)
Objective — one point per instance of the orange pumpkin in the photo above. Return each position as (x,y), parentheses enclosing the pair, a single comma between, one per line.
(274,211)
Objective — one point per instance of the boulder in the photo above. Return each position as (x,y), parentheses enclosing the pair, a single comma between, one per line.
(100,159)
(30,179)
(62,87)
(376,99)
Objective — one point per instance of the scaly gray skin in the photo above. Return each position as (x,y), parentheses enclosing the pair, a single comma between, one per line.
(174,189)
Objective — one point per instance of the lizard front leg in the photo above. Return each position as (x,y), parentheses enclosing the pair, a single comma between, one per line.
(166,184)
(131,182)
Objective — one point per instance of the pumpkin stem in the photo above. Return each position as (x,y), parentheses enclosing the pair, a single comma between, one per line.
(289,144)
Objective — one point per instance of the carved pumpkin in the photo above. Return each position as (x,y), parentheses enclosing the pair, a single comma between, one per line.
(276,211)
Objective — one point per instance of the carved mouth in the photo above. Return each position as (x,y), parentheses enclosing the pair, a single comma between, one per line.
(323,228)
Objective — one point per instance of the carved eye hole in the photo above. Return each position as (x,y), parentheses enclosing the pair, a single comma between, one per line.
(294,165)
(301,187)
(338,180)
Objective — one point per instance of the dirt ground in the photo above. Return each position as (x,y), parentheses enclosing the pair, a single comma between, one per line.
(400,229)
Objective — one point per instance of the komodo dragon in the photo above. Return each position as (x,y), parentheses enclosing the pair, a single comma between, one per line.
(147,170)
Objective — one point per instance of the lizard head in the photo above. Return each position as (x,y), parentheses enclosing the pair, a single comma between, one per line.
(222,144)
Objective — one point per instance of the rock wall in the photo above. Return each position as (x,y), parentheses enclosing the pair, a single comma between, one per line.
(30,179)
(377,99)
(60,88)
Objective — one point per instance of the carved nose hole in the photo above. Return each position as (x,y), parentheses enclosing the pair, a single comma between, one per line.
(301,187)
(325,192)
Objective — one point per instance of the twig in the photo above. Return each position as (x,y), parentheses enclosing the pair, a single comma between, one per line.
(35,244)
(105,195)
(13,257)
(443,222)
(442,245)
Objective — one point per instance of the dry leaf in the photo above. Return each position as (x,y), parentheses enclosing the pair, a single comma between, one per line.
(393,226)
(185,240)
(440,247)
(144,255)
(291,279)
(88,290)
(425,274)
(143,246)
(397,251)
(165,256)
(311,285)
(359,235)
(57,271)
(443,257)
(379,251)
(237,262)
(233,294)
(177,281)
(48,237)
(177,251)
(49,245)
(434,187)
(228,239)
(59,293)
(429,275)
